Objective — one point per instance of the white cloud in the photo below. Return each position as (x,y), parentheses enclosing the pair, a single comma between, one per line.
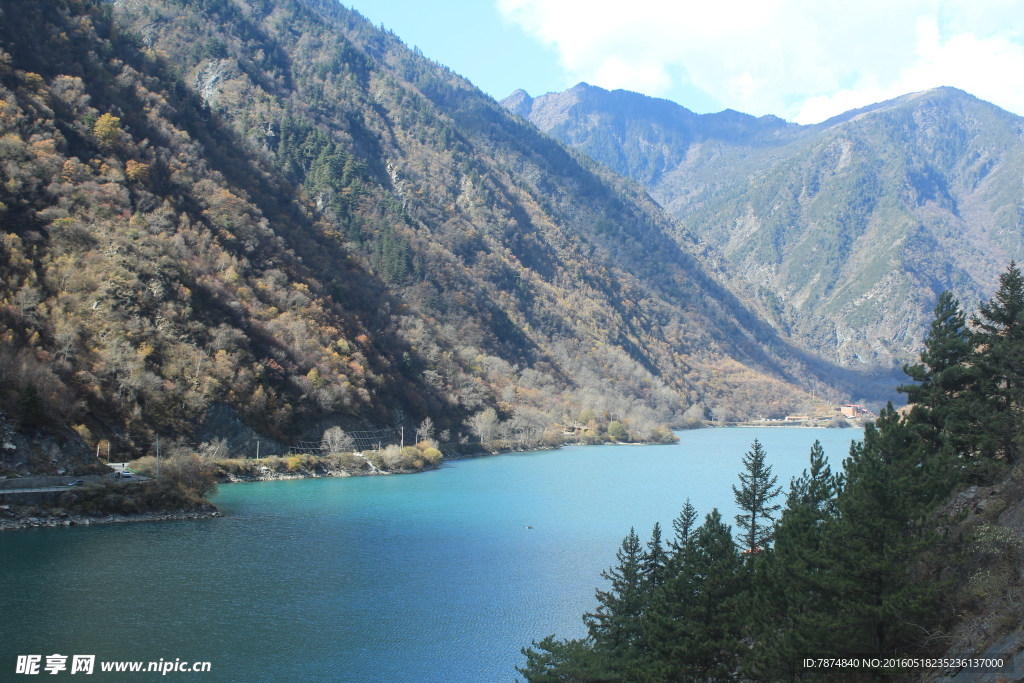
(801,60)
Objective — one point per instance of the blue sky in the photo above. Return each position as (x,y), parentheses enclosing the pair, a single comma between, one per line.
(473,39)
(802,60)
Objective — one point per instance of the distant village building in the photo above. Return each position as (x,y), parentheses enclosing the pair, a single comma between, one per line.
(853,410)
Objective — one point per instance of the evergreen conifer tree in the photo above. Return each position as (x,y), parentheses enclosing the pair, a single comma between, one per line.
(945,402)
(615,625)
(683,525)
(890,484)
(757,490)
(792,608)
(999,359)
(31,408)
(692,628)
(944,368)
(655,561)
(565,661)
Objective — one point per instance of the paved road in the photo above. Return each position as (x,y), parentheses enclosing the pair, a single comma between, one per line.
(47,489)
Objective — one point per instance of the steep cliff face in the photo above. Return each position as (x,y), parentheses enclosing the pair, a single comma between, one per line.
(843,233)
(278,207)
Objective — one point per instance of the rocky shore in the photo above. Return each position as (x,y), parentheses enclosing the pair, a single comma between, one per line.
(238,471)
(271,475)
(318,472)
(26,517)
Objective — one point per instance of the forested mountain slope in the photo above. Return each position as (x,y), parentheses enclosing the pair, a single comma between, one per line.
(844,232)
(278,206)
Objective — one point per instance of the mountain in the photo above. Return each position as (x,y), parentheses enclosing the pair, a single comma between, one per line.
(275,209)
(842,233)
(637,136)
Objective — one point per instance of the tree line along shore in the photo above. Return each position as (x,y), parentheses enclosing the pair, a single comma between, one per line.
(178,484)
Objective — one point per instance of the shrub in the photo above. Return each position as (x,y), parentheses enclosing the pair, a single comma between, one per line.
(127,499)
(232,465)
(552,440)
(335,440)
(213,450)
(345,461)
(433,456)
(274,463)
(617,431)
(392,457)
(412,457)
(190,475)
(85,433)
(146,466)
(663,435)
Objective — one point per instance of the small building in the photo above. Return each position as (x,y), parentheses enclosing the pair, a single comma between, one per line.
(853,410)
(797,418)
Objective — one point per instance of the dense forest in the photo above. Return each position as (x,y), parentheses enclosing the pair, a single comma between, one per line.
(891,556)
(277,207)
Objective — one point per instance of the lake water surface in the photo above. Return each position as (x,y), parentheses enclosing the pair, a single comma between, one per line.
(426,578)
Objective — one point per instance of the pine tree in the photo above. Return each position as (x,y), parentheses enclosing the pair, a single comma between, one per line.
(615,625)
(692,628)
(568,661)
(792,608)
(655,561)
(944,401)
(757,490)
(891,484)
(31,408)
(999,359)
(719,582)
(683,526)
(942,370)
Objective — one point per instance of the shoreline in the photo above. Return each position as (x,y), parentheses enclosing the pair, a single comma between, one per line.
(11,518)
(243,478)
(368,470)
(748,425)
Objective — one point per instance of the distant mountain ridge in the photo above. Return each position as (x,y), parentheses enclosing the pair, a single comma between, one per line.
(636,136)
(842,233)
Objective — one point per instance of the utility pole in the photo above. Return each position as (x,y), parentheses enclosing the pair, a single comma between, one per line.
(158,456)
(257,449)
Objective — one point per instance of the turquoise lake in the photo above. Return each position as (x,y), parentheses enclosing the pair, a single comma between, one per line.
(427,578)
